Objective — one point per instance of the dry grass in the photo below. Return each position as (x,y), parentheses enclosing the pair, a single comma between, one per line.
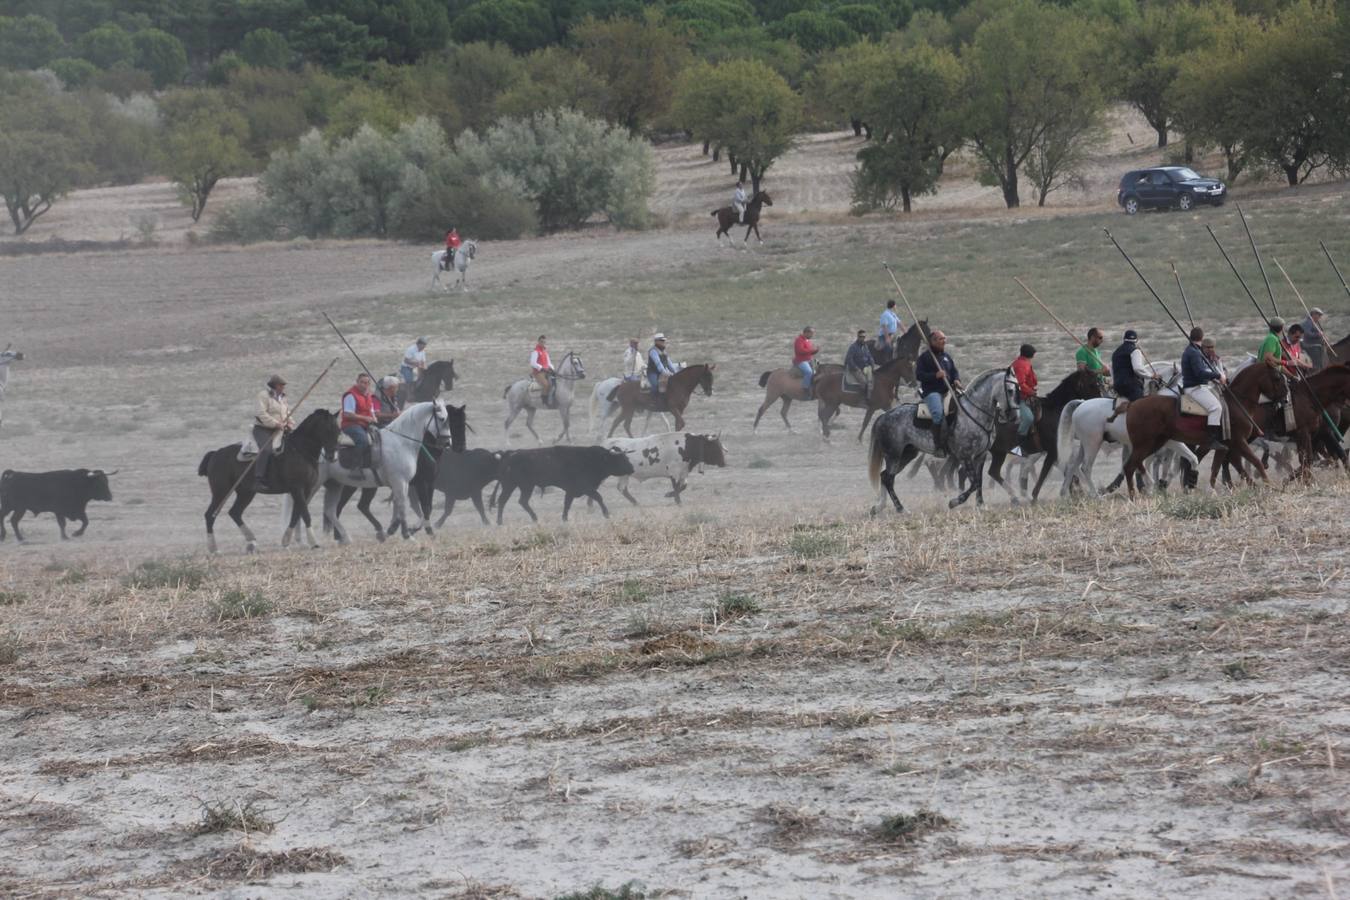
(246,863)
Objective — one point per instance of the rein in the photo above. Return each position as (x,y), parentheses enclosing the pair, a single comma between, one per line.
(557,373)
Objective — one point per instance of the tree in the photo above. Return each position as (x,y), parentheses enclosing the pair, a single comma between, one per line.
(162,55)
(554,79)
(814,31)
(410,28)
(479,74)
(912,101)
(106,46)
(865,21)
(205,143)
(1152,48)
(522,25)
(336,43)
(1030,71)
(264,48)
(28,42)
(639,60)
(841,79)
(44,141)
(73,73)
(744,106)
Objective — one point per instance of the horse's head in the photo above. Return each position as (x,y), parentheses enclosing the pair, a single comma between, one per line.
(763,197)
(1085,385)
(575,364)
(471,249)
(447,425)
(447,374)
(705,378)
(321,427)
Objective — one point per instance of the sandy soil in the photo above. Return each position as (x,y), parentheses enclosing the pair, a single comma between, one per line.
(1084,702)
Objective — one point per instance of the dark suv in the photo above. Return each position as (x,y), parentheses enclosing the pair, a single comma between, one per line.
(1168,187)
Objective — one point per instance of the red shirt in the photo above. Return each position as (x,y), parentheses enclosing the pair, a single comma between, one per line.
(452,241)
(1290,354)
(542,357)
(802,349)
(1026,377)
(365,406)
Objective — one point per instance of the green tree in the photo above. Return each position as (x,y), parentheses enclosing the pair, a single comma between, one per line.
(1152,48)
(28,42)
(554,79)
(410,28)
(479,74)
(839,83)
(1030,70)
(639,61)
(814,31)
(865,21)
(44,142)
(264,48)
(205,143)
(106,46)
(522,25)
(1206,96)
(780,54)
(336,43)
(162,55)
(74,73)
(912,101)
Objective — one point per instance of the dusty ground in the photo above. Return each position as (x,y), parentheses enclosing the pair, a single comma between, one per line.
(724,699)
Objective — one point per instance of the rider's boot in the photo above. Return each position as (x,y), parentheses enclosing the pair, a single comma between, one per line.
(259,477)
(1215,433)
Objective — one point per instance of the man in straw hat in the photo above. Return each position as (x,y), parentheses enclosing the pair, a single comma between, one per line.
(659,366)
(271,420)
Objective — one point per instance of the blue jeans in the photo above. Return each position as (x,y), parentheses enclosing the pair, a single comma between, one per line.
(358,435)
(805,369)
(935,403)
(407,373)
(654,379)
(1025,419)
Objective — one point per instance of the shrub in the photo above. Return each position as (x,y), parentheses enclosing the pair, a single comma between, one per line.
(155,573)
(246,222)
(73,72)
(239,605)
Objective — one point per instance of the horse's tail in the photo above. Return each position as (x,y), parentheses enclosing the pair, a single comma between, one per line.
(875,456)
(715,212)
(613,394)
(1064,438)
(508,389)
(764,379)
(205,464)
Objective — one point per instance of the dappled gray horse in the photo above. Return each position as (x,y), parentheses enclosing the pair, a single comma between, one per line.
(897,440)
(519,396)
(463,256)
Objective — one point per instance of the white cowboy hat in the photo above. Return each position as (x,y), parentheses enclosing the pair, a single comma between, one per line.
(659,336)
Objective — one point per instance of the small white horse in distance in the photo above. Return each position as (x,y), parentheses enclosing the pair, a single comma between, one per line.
(7,356)
(463,256)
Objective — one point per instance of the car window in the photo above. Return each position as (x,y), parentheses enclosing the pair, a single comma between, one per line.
(1184,175)
(1158,178)
(1142,178)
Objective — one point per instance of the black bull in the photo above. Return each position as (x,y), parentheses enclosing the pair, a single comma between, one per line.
(64,493)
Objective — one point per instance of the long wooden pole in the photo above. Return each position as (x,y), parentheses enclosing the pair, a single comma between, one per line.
(1259,264)
(1184,302)
(249,468)
(1032,295)
(1302,302)
(926,340)
(1334,266)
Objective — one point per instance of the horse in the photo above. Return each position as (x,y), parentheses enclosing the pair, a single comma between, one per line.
(897,439)
(1076,386)
(1331,387)
(602,407)
(7,356)
(439,376)
(1094,423)
(296,470)
(906,349)
(1152,421)
(463,256)
(518,396)
(679,388)
(830,394)
(726,217)
(395,465)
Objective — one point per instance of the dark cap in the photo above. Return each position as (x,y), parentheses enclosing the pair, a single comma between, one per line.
(276,381)
(1130,335)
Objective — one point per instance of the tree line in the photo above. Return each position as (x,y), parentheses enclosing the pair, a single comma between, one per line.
(96,94)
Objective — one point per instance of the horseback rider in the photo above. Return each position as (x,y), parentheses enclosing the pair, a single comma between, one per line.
(452,242)
(659,366)
(1026,398)
(1293,348)
(1314,339)
(886,336)
(387,407)
(1271,351)
(858,363)
(936,373)
(1197,374)
(358,414)
(804,351)
(272,420)
(633,363)
(541,370)
(739,200)
(1089,358)
(414,361)
(1129,372)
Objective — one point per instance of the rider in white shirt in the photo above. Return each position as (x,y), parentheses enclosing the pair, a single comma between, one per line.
(634,363)
(414,361)
(738,201)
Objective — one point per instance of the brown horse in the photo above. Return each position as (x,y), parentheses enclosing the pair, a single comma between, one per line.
(830,394)
(1154,420)
(726,217)
(1332,387)
(679,389)
(786,384)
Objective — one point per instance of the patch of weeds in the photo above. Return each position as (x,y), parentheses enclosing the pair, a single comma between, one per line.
(646,623)
(908,631)
(791,824)
(539,539)
(630,890)
(810,544)
(980,624)
(375,695)
(236,604)
(900,768)
(700,518)
(759,462)
(1204,506)
(11,598)
(1318,615)
(632,591)
(1237,670)
(309,702)
(154,573)
(231,815)
(9,649)
(488,549)
(245,863)
(459,745)
(733,606)
(74,575)
(906,828)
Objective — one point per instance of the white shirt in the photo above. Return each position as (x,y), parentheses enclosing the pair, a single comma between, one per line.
(1141,369)
(890,322)
(414,358)
(633,363)
(534,361)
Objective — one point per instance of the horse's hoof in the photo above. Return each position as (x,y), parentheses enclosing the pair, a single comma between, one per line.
(952,504)
(380,536)
(251,549)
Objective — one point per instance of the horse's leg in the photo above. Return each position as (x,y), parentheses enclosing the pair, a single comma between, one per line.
(363,506)
(565,412)
(893,466)
(783,411)
(210,523)
(529,423)
(867,418)
(450,505)
(756,227)
(241,501)
(763,407)
(996,473)
(972,475)
(477,499)
(679,419)
(824,413)
(300,502)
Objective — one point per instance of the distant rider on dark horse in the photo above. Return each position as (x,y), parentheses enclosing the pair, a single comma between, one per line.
(272,420)
(858,364)
(738,202)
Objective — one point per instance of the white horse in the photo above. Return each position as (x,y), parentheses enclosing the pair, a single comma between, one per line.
(395,464)
(519,396)
(604,407)
(1086,421)
(463,256)
(7,356)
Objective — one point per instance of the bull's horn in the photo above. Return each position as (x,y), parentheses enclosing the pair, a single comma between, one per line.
(113,472)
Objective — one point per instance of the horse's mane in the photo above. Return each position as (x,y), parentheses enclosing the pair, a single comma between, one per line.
(979,380)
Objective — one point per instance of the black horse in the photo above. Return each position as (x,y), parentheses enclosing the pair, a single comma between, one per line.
(438,376)
(422,487)
(295,472)
(726,217)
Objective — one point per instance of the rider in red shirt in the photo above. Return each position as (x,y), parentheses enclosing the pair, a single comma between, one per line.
(803,352)
(452,243)
(1026,389)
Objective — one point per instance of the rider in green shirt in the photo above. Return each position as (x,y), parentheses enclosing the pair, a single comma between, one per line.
(1271,353)
(1089,358)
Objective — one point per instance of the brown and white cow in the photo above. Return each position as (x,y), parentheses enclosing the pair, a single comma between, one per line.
(673,455)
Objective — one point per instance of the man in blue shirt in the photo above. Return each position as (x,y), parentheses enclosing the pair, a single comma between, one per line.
(1197,374)
(658,364)
(936,372)
(890,328)
(858,363)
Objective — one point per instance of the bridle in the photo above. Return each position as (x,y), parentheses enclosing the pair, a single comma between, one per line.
(574,364)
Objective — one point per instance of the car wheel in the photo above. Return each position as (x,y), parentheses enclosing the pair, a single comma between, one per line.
(1185,202)
(1131,205)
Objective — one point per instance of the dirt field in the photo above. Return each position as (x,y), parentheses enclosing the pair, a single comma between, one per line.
(764,692)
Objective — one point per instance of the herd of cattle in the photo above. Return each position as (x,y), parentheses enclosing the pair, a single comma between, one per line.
(576,471)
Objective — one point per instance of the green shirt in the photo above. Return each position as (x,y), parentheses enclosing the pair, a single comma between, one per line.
(1270,345)
(1088,356)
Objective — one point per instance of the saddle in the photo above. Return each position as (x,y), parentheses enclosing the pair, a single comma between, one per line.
(853,386)
(357,458)
(535,392)
(248,448)
(923,417)
(1187,406)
